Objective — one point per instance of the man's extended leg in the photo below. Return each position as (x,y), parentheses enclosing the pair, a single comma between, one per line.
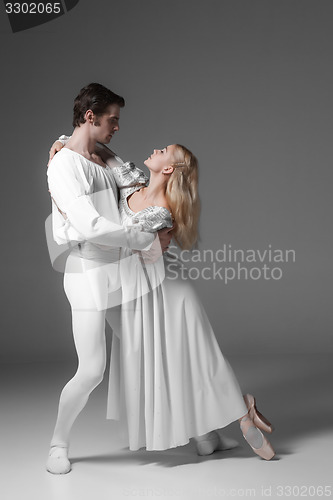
(89,338)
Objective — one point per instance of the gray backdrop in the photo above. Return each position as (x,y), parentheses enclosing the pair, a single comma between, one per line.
(245,84)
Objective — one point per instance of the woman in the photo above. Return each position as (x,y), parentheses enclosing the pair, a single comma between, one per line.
(173,378)
(176,382)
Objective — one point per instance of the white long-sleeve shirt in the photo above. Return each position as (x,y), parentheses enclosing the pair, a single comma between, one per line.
(86,192)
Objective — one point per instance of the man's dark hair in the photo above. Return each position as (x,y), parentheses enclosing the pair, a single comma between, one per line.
(95,97)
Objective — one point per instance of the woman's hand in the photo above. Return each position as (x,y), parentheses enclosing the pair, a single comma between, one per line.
(56,146)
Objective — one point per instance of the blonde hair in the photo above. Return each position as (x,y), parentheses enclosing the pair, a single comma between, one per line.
(183,198)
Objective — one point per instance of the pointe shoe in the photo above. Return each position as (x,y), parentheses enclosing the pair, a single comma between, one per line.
(258,419)
(207,444)
(57,462)
(255,438)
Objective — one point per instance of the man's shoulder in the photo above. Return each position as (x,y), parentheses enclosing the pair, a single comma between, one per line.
(63,161)
(65,155)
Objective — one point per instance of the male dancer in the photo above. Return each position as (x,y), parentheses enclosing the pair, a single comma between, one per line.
(85,212)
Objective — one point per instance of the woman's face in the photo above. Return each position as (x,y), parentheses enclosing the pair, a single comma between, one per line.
(161,158)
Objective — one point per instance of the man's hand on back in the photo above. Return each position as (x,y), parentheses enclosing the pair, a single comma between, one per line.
(165,236)
(159,246)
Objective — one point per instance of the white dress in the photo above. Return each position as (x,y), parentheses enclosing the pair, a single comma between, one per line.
(168,377)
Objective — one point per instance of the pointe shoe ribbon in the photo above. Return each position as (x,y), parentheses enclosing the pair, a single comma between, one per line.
(258,419)
(255,438)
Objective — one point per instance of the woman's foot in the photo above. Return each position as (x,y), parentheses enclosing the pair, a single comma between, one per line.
(258,419)
(213,441)
(255,438)
(57,462)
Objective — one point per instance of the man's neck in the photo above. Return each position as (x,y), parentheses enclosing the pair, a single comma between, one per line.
(82,142)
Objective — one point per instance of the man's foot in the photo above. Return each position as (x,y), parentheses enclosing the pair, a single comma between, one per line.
(213,441)
(57,462)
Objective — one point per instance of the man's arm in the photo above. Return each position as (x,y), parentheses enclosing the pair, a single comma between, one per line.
(69,194)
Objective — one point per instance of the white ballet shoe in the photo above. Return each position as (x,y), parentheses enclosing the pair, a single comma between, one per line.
(226,443)
(213,441)
(57,462)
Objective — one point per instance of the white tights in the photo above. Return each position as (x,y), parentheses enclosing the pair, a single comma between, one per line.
(89,336)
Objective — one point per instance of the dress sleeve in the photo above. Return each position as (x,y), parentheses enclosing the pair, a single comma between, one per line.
(154,218)
(128,175)
(70,193)
(64,139)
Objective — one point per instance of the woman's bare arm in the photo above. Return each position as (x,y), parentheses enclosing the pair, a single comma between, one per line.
(101,150)
(56,146)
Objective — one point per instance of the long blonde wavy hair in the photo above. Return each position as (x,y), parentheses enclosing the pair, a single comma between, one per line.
(183,198)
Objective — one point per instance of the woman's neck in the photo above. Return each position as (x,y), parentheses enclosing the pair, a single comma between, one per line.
(156,187)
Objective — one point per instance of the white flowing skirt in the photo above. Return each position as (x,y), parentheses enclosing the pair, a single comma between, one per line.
(168,377)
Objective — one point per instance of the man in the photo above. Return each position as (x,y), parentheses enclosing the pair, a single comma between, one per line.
(85,213)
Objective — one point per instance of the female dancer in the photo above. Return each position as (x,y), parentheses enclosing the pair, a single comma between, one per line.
(174,377)
(174,380)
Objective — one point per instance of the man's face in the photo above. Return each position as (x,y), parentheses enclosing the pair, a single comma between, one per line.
(107,124)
